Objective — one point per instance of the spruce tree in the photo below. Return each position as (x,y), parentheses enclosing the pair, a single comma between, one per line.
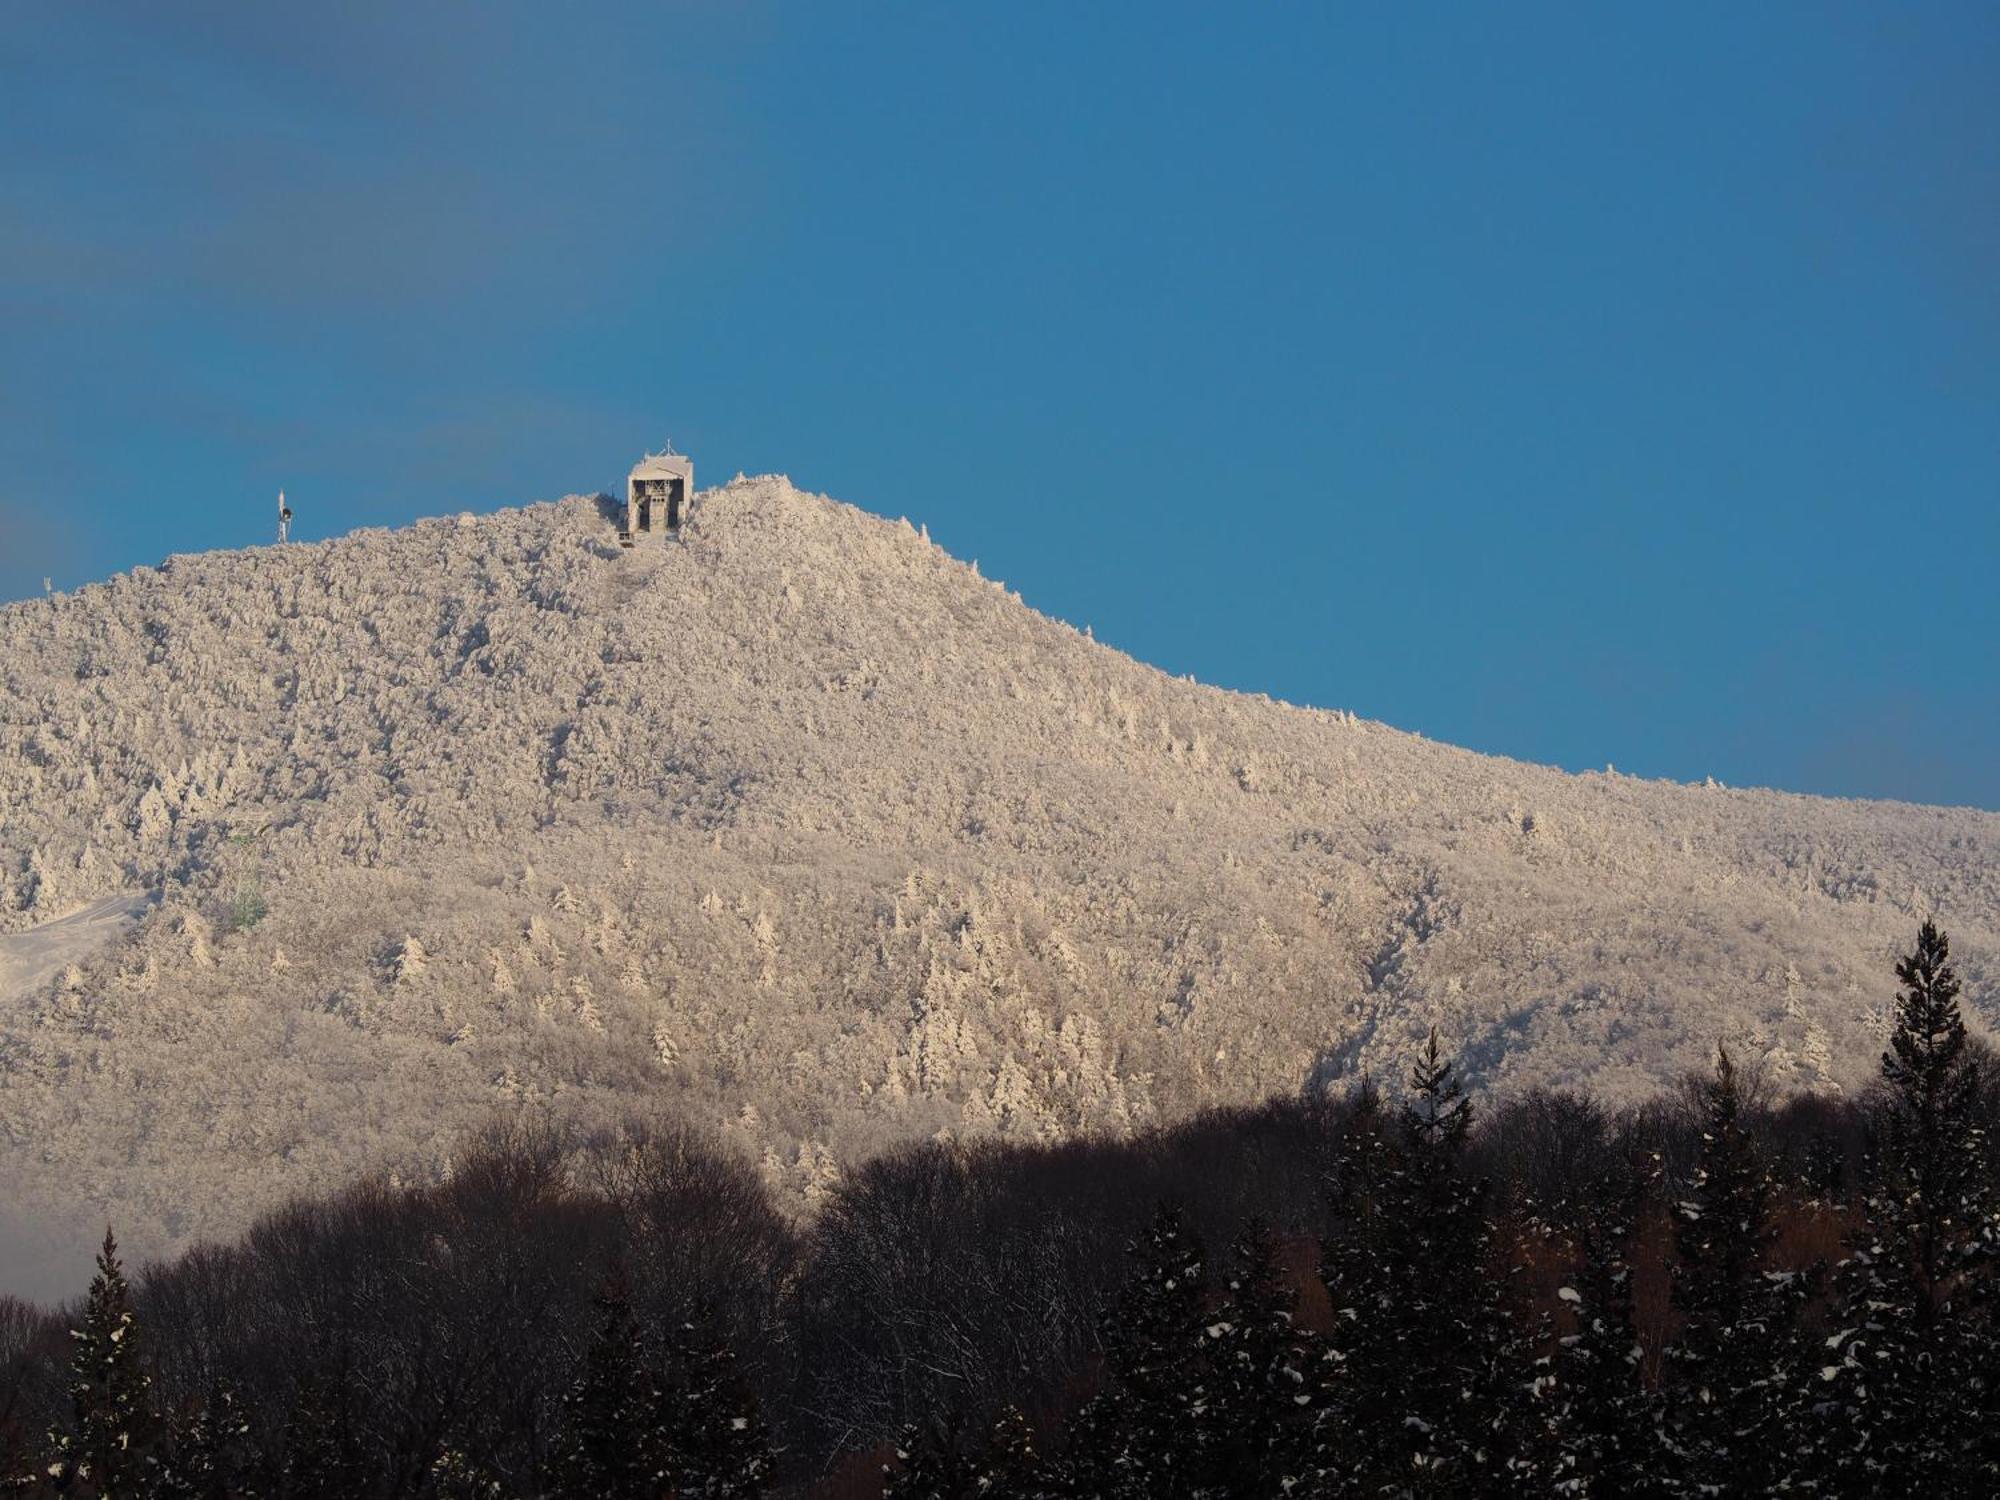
(1263,1396)
(1901,1398)
(321,1451)
(1437,1116)
(927,1465)
(1358,1441)
(1469,1431)
(1422,1357)
(718,1447)
(456,1475)
(1011,1468)
(1599,1422)
(1727,1371)
(214,1455)
(1936,1141)
(112,1449)
(612,1443)
(1144,1434)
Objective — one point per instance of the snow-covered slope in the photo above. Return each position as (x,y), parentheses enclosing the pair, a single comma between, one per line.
(802,828)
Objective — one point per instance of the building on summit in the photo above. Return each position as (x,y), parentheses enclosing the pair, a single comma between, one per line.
(656,492)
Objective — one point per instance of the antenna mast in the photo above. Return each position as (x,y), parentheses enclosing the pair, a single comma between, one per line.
(284,520)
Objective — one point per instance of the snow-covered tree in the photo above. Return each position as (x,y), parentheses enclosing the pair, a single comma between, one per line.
(322,1452)
(1728,1371)
(1263,1370)
(112,1450)
(1421,1358)
(1147,1433)
(456,1475)
(1011,1467)
(213,1454)
(927,1465)
(1905,1392)
(1934,1138)
(612,1442)
(1597,1423)
(717,1445)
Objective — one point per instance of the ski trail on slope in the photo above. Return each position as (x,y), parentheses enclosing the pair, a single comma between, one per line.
(28,958)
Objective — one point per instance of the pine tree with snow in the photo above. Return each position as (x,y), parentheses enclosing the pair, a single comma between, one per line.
(1903,1397)
(1364,1397)
(1011,1468)
(611,1441)
(1146,1433)
(322,1457)
(1935,1140)
(1598,1422)
(112,1448)
(456,1475)
(927,1465)
(1471,1361)
(1263,1391)
(1437,1116)
(1727,1372)
(1423,1360)
(718,1447)
(213,1455)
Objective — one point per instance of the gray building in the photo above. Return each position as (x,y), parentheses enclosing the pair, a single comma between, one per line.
(656,493)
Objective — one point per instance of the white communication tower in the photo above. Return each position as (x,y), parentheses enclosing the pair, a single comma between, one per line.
(284,520)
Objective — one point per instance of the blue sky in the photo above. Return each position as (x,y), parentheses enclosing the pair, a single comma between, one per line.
(1584,384)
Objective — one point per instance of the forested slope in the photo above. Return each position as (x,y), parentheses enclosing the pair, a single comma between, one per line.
(800,829)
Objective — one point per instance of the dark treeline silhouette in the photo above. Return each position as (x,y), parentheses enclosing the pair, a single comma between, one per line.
(1356,1295)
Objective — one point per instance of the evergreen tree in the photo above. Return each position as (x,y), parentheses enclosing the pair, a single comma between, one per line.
(456,1475)
(718,1446)
(1728,1370)
(322,1453)
(1437,1117)
(1472,1434)
(1936,1141)
(1598,1421)
(1144,1435)
(612,1442)
(213,1455)
(1356,1439)
(1263,1396)
(1901,1399)
(928,1466)
(1011,1468)
(112,1449)
(1422,1357)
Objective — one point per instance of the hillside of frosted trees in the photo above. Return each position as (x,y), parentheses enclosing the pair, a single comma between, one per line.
(805,832)
(1385,1292)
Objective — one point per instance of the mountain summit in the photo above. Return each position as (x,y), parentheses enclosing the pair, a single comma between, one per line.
(798,827)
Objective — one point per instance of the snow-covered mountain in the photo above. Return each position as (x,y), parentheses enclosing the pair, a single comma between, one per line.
(801,828)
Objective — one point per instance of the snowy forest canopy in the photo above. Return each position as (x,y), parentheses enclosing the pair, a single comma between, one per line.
(1360,1294)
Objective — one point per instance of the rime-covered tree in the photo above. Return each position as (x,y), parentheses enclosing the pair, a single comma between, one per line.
(112,1450)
